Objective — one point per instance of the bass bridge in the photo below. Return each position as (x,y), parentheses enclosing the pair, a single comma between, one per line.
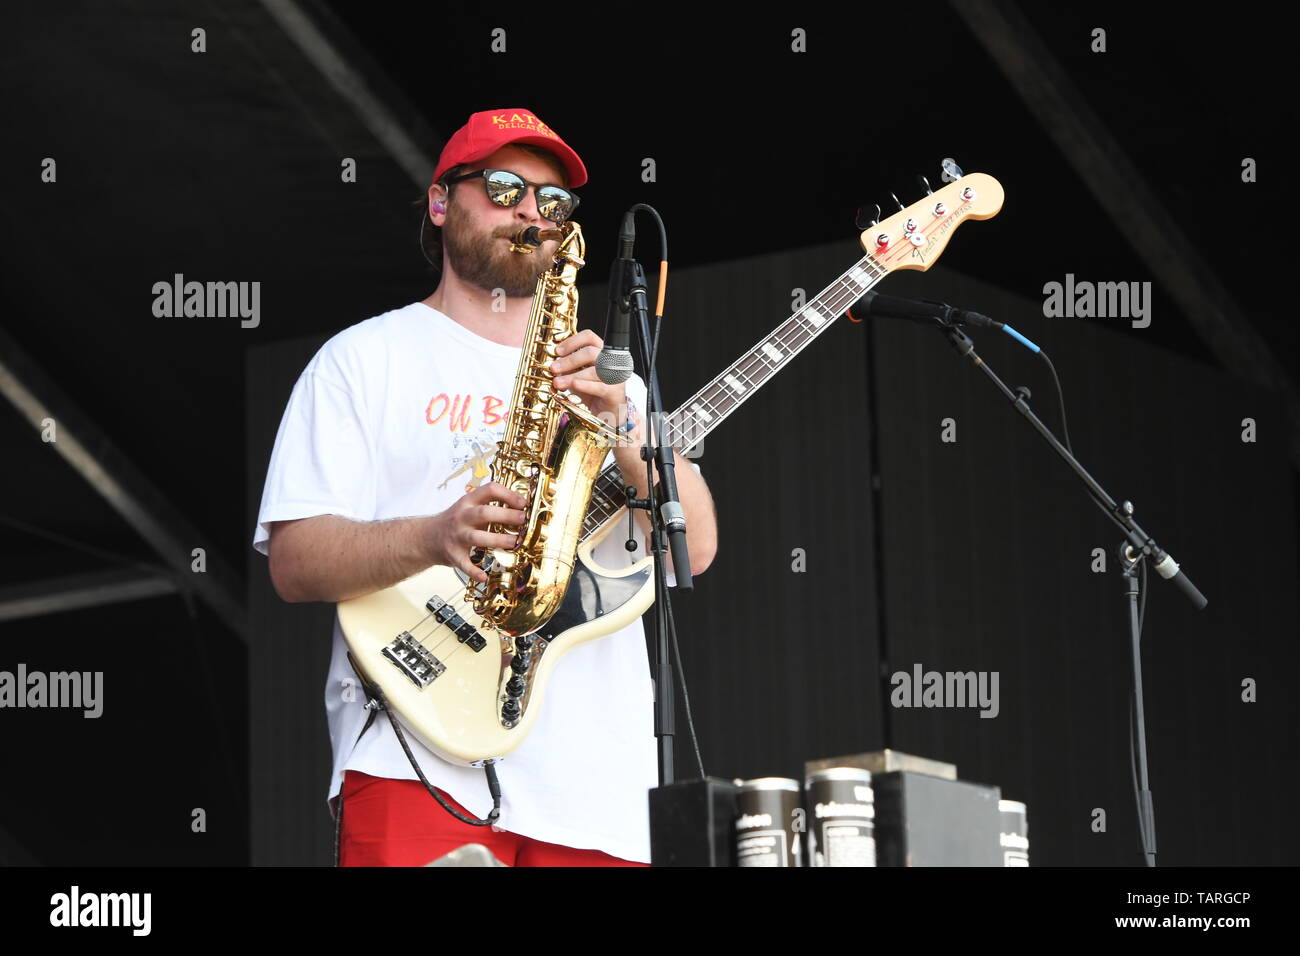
(416,661)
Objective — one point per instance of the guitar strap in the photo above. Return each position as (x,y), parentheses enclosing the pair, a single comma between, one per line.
(377,702)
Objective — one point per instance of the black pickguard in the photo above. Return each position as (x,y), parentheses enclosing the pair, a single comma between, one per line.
(592,595)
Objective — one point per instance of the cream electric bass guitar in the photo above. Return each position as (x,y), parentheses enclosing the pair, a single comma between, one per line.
(445,673)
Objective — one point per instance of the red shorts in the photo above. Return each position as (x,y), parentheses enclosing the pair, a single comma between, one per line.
(387,822)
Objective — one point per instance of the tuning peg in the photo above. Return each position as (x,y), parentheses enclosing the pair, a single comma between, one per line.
(926,183)
(901,207)
(858,218)
(951,171)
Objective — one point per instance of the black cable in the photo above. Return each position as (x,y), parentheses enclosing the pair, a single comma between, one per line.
(686,697)
(1060,398)
(1065,432)
(663,257)
(1132,766)
(1147,854)
(1142,602)
(494,785)
(674,650)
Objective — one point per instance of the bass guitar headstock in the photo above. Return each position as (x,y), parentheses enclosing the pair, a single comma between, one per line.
(915,237)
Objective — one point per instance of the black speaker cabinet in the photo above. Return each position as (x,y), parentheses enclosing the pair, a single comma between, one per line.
(925,821)
(693,823)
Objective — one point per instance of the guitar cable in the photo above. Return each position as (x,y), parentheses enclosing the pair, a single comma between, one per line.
(376,694)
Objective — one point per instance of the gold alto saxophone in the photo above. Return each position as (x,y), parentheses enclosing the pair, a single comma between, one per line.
(551,453)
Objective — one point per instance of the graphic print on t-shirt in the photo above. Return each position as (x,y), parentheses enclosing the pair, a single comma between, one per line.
(456,412)
(472,456)
(472,448)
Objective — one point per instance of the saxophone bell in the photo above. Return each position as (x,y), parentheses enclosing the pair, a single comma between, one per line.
(526,240)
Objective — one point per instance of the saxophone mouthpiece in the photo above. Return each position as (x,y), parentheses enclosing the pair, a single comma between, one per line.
(526,240)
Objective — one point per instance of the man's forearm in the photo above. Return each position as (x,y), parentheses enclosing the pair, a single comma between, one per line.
(329,558)
(697,504)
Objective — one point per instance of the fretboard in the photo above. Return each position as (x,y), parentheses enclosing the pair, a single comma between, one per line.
(709,407)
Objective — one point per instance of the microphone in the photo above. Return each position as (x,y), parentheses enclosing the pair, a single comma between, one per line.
(1168,569)
(614,364)
(929,313)
(892,307)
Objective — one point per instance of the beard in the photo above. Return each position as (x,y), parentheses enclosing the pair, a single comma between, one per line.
(484,259)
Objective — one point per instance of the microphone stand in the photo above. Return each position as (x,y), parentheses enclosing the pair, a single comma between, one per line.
(1137,544)
(667,522)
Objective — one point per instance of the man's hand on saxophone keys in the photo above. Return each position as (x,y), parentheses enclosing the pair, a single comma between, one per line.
(575,369)
(453,534)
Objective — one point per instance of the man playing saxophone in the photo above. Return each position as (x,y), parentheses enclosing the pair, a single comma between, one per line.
(359,496)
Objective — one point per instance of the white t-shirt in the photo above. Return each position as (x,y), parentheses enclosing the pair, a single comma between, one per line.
(398,416)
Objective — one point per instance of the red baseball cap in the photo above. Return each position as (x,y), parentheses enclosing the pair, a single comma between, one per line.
(486,132)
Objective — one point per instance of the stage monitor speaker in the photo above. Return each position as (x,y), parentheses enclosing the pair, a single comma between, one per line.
(693,823)
(925,821)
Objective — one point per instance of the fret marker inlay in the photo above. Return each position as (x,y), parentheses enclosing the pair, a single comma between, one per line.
(860,277)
